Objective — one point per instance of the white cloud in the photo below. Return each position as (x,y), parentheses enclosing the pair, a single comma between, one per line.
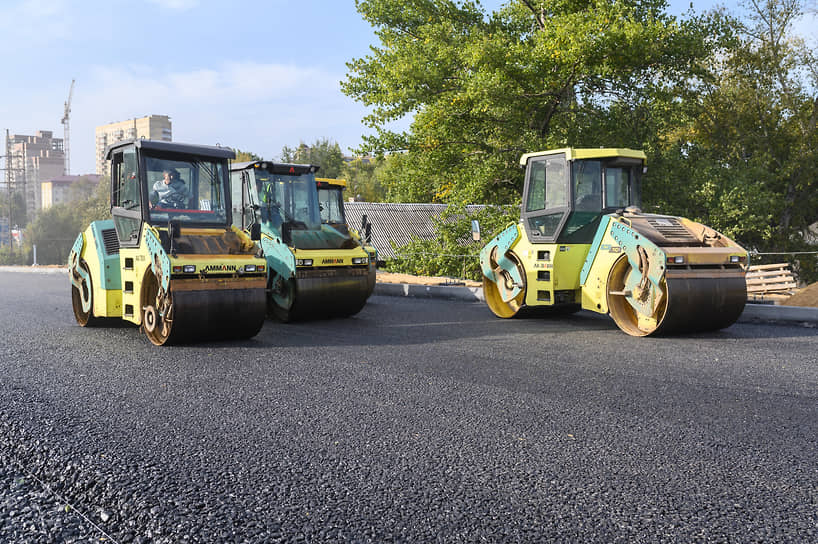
(247,105)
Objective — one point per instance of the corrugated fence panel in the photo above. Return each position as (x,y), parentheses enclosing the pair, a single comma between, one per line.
(397,223)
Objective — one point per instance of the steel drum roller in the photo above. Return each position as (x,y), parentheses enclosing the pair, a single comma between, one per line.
(327,293)
(209,313)
(690,300)
(698,304)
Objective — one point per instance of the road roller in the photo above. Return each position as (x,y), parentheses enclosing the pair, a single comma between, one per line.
(170,259)
(583,242)
(331,205)
(316,269)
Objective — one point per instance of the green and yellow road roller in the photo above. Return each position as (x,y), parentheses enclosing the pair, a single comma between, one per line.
(170,259)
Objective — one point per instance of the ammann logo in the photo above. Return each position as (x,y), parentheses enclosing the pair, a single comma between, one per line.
(219,268)
(333,261)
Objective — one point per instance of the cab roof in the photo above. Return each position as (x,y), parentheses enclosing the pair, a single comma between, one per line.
(587,153)
(276,167)
(173,147)
(331,181)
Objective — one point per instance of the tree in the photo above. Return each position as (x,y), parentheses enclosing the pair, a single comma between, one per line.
(17,208)
(324,153)
(485,88)
(55,229)
(245,156)
(747,157)
(362,175)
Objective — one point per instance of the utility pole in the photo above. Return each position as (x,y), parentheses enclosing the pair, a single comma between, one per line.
(65,117)
(9,169)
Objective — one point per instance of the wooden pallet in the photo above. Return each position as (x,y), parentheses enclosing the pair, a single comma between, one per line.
(771,279)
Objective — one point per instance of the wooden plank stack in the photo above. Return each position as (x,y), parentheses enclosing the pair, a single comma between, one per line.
(774,282)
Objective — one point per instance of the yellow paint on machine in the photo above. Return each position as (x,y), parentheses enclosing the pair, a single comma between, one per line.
(563,265)
(331,257)
(106,303)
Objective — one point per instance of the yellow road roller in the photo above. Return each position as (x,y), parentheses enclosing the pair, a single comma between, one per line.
(583,242)
(169,259)
(316,269)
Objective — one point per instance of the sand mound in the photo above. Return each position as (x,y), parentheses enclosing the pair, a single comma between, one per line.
(808,296)
(392,277)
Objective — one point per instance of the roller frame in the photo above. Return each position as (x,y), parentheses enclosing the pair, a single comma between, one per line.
(500,245)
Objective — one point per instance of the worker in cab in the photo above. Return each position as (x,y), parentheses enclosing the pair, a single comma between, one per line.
(170,191)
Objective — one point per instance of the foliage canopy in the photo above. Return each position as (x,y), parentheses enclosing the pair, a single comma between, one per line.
(724,107)
(484,88)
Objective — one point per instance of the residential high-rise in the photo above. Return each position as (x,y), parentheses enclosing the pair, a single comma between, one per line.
(151,127)
(32,160)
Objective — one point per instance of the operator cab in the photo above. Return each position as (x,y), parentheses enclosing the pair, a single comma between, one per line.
(159,183)
(567,191)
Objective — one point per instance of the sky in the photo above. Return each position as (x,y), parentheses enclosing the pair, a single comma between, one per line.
(251,75)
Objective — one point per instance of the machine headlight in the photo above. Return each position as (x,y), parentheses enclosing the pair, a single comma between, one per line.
(360,260)
(678,259)
(736,258)
(249,268)
(303,262)
(187,269)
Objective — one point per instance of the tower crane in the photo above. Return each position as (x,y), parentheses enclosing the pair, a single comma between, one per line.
(65,117)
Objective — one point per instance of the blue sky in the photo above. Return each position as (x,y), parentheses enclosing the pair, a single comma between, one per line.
(253,75)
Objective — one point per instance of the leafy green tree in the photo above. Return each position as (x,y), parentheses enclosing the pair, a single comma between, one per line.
(53,232)
(324,153)
(55,229)
(485,88)
(17,208)
(744,160)
(81,189)
(98,205)
(245,156)
(362,175)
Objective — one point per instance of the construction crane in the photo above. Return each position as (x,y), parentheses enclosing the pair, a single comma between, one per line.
(65,124)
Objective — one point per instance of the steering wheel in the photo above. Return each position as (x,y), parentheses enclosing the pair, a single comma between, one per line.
(174,204)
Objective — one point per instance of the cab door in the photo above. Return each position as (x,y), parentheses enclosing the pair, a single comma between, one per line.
(126,197)
(546,197)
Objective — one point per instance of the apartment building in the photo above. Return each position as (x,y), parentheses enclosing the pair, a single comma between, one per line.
(32,160)
(65,189)
(151,127)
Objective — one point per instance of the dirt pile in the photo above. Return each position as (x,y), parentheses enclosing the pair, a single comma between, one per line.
(391,277)
(808,296)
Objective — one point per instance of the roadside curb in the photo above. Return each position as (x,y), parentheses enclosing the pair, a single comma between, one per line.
(769,313)
(753,313)
(35,269)
(448,292)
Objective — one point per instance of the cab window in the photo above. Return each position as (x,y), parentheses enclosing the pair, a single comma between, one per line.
(126,192)
(587,182)
(617,181)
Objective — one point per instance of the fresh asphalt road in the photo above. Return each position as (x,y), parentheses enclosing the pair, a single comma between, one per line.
(414,421)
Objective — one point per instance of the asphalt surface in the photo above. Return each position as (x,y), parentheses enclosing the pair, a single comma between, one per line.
(415,421)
